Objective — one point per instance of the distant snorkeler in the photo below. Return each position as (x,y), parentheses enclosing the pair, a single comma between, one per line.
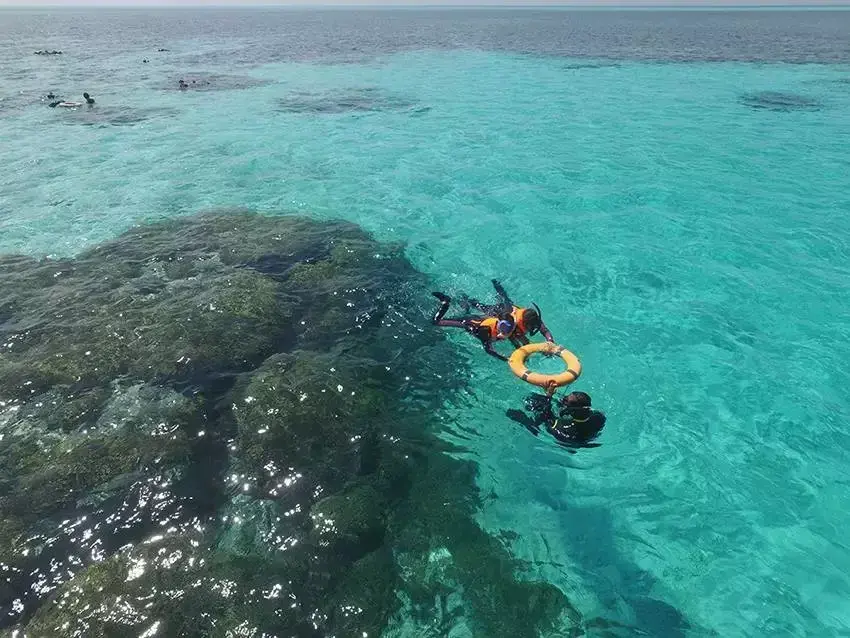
(65,104)
(71,105)
(487,329)
(575,425)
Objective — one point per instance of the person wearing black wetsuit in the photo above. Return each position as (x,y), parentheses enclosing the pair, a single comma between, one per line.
(486,329)
(575,425)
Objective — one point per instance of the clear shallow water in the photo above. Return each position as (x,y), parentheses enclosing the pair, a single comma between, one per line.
(684,230)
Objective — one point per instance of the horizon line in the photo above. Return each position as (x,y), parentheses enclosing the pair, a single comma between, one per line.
(484,4)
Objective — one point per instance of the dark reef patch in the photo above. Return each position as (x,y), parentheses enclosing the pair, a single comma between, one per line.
(223,425)
(780,102)
(113,115)
(579,66)
(360,100)
(206,82)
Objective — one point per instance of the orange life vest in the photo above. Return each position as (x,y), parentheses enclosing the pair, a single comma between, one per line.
(519,320)
(491,324)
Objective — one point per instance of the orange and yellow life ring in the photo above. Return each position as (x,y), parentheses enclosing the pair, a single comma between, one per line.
(518,358)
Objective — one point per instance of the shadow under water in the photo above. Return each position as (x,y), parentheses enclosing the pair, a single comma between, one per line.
(623,588)
(780,102)
(362,100)
(113,115)
(223,425)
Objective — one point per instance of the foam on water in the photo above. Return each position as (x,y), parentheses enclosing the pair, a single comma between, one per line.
(693,250)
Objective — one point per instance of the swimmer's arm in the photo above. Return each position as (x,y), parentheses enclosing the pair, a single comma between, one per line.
(545,332)
(488,348)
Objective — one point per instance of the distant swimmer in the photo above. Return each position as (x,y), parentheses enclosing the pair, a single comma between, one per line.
(575,425)
(89,99)
(487,329)
(145,61)
(183,86)
(46,52)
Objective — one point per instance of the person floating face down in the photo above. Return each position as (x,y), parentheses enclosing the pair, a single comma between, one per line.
(528,320)
(487,329)
(502,321)
(574,425)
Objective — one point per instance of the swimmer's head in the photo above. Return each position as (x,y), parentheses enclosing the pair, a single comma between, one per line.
(531,320)
(578,403)
(505,327)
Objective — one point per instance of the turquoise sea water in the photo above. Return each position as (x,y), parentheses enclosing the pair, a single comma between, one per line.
(684,226)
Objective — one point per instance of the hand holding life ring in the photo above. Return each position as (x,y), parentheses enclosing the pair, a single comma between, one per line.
(548,381)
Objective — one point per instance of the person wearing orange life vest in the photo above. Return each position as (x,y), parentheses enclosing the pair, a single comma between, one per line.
(527,320)
(487,329)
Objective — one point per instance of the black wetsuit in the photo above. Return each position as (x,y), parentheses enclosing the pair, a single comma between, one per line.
(505,306)
(566,428)
(471,323)
(570,430)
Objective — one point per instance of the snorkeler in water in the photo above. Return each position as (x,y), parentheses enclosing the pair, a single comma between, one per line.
(487,329)
(528,320)
(575,425)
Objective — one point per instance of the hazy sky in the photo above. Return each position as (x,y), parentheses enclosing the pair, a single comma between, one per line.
(683,3)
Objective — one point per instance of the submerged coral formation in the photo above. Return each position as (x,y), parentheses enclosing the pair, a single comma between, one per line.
(781,102)
(222,425)
(356,100)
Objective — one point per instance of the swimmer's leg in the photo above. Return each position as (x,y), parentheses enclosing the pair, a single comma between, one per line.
(445,302)
(488,309)
(452,323)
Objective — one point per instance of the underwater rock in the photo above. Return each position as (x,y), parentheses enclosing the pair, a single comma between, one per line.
(301,411)
(365,597)
(44,470)
(250,528)
(448,557)
(173,314)
(578,66)
(114,115)
(780,102)
(350,523)
(61,408)
(362,100)
(224,425)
